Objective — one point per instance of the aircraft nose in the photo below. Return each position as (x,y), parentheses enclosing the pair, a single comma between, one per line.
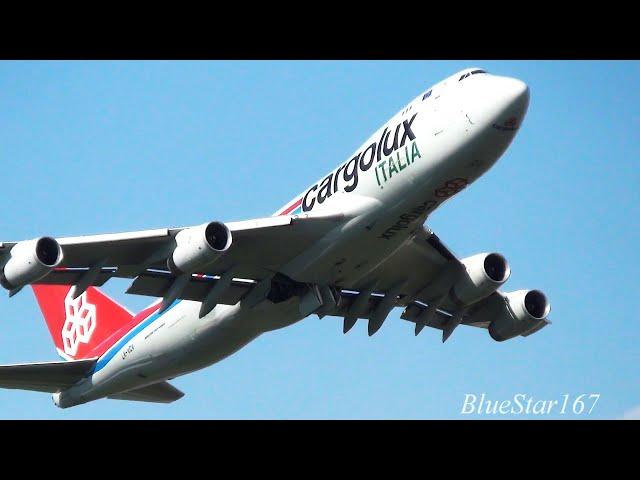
(516,95)
(500,102)
(511,102)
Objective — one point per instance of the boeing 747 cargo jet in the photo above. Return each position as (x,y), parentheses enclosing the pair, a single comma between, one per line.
(352,245)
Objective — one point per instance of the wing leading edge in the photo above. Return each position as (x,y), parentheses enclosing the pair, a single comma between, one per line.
(259,248)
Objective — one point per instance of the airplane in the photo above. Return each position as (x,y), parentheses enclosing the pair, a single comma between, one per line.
(353,245)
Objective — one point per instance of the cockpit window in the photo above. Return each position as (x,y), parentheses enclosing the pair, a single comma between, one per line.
(426,95)
(473,72)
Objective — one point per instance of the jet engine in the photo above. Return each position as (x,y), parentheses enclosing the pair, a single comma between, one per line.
(196,247)
(515,313)
(484,273)
(30,261)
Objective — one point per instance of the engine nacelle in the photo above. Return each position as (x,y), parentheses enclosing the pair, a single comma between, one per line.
(485,272)
(196,247)
(522,311)
(30,261)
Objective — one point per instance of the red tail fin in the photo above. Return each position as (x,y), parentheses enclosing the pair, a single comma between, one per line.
(84,327)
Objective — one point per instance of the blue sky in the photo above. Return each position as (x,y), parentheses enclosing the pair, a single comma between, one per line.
(93,147)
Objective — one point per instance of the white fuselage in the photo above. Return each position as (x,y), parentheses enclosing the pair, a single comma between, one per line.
(439,143)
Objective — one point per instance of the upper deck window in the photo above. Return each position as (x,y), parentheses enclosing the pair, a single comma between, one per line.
(473,72)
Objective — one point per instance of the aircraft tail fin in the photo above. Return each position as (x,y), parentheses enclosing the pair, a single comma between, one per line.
(84,327)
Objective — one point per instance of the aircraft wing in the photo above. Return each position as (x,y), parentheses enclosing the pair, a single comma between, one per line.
(414,266)
(421,270)
(259,247)
(419,273)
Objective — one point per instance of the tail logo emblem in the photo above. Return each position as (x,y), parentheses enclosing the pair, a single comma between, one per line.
(79,324)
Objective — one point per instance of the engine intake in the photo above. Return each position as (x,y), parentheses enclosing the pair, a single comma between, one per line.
(484,273)
(196,247)
(496,267)
(536,305)
(30,261)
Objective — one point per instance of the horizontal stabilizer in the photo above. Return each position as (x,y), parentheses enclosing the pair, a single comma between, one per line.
(162,392)
(45,377)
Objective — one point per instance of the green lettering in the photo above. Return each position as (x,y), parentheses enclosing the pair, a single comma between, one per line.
(392,167)
(415,152)
(381,166)
(401,165)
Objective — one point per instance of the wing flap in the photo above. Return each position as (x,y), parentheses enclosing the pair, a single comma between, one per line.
(64,276)
(439,320)
(156,284)
(347,298)
(46,376)
(162,392)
